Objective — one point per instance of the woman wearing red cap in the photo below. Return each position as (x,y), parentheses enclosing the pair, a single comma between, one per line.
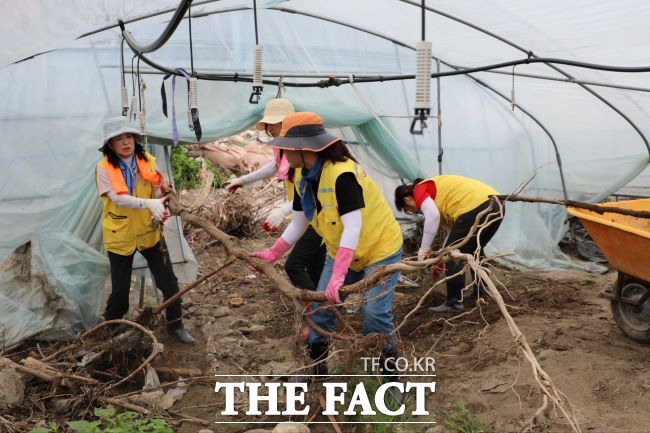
(336,197)
(456,202)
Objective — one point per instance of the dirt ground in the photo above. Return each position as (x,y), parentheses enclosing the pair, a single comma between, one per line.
(604,375)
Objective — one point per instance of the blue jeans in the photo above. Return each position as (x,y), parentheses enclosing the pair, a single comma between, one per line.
(377,314)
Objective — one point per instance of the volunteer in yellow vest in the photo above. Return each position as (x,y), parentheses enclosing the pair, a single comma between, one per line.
(128,182)
(305,262)
(456,202)
(336,197)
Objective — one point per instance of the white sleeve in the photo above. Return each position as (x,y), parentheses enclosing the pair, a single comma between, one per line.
(352,224)
(263,172)
(126,200)
(296,228)
(106,188)
(431,222)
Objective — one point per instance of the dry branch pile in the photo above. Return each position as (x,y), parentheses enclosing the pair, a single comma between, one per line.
(101,367)
(347,334)
(110,359)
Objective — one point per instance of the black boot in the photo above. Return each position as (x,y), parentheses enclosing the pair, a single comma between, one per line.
(318,352)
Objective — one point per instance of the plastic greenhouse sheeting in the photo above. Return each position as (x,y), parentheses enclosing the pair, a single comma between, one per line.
(53,104)
(50,287)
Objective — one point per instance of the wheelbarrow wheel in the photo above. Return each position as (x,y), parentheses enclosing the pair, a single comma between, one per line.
(634,321)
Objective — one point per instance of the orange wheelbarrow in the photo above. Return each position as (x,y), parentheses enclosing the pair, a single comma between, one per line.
(625,242)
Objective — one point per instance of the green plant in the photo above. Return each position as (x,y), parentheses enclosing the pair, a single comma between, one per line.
(185,170)
(379,420)
(545,426)
(51,428)
(110,422)
(464,421)
(218,176)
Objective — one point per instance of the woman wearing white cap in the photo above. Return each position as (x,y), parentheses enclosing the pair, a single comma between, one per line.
(128,183)
(305,262)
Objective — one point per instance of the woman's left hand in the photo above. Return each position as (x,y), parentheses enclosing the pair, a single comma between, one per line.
(332,290)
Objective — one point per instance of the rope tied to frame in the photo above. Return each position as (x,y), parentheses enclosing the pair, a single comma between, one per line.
(280,87)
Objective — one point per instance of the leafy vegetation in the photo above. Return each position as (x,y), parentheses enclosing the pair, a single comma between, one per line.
(185,170)
(464,421)
(110,422)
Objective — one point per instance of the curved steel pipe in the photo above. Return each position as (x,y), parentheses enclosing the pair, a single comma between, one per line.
(176,19)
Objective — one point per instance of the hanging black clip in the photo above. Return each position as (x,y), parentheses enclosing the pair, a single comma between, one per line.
(255,95)
(420,115)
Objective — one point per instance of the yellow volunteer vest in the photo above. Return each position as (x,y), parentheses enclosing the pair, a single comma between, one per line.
(125,229)
(380,236)
(456,195)
(289,185)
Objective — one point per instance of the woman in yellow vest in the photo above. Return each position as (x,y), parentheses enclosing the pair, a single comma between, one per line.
(305,262)
(128,183)
(456,202)
(336,197)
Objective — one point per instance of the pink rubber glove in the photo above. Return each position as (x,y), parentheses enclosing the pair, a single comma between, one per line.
(271,255)
(342,262)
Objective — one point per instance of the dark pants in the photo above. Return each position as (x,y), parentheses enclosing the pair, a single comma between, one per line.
(163,274)
(305,262)
(459,230)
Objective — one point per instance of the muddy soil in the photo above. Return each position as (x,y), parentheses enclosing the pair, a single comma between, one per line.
(604,375)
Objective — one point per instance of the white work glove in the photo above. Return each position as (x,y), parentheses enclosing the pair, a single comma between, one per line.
(276,217)
(423,253)
(233,185)
(157,207)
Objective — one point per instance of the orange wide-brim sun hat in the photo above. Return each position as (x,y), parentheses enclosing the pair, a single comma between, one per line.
(304,131)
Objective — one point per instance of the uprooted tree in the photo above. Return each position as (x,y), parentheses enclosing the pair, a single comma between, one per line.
(482,275)
(75,365)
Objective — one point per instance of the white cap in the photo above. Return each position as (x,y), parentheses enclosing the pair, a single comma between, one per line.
(117,126)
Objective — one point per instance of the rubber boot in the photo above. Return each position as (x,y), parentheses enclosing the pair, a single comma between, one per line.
(182,335)
(454,292)
(317,352)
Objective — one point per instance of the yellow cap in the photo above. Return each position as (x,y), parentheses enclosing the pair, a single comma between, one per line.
(275,112)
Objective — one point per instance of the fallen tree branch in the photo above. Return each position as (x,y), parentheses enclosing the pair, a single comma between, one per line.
(154,344)
(45,372)
(180,372)
(124,404)
(542,378)
(229,244)
(37,365)
(577,204)
(190,286)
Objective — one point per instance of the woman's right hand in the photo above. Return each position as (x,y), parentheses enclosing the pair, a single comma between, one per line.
(233,185)
(157,208)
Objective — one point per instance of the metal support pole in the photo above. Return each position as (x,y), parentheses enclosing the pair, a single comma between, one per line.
(168,167)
